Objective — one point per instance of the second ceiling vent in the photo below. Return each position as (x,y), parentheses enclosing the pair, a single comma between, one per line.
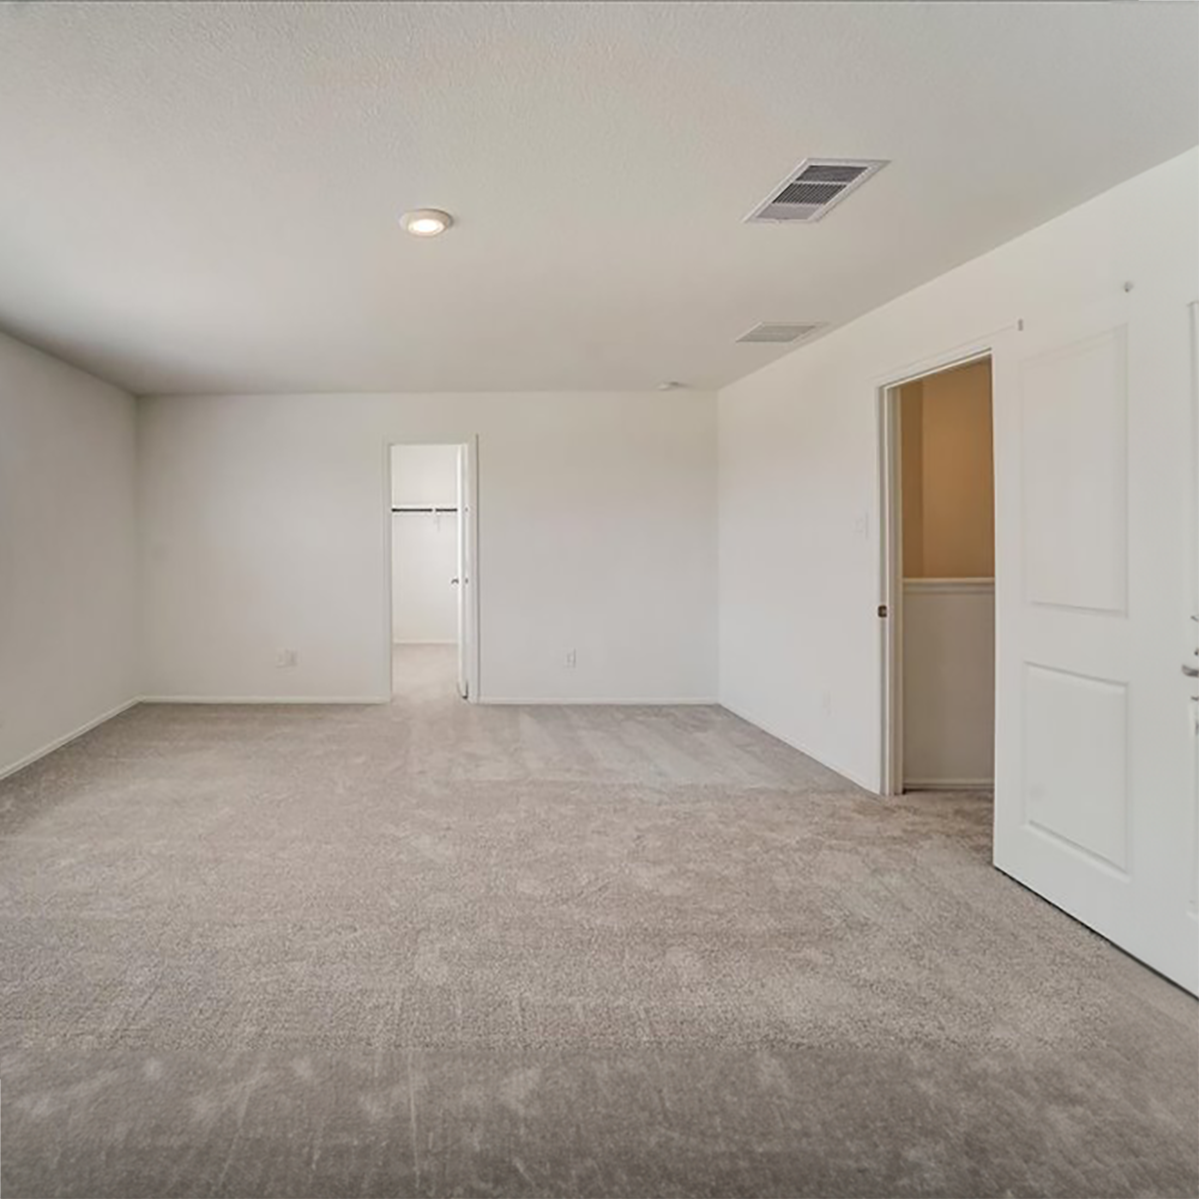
(814,187)
(779,331)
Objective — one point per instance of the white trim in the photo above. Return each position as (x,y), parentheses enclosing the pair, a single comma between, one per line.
(934,364)
(266,699)
(474,605)
(891,595)
(844,772)
(60,742)
(577,701)
(950,785)
(959,587)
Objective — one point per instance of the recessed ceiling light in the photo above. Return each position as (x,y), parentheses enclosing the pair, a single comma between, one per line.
(670,385)
(426,222)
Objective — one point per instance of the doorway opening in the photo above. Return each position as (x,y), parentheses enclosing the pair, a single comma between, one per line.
(432,645)
(938,526)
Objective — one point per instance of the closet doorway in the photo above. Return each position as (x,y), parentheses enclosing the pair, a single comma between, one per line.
(940,698)
(432,610)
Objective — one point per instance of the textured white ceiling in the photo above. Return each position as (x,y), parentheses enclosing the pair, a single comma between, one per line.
(203,197)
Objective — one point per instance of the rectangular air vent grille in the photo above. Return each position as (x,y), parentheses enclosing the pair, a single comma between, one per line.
(832,172)
(778,331)
(814,187)
(802,192)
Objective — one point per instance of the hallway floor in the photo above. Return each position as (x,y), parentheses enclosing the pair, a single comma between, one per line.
(424,674)
(439,949)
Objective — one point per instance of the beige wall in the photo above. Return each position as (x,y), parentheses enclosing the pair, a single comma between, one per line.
(276,504)
(946,474)
(68,552)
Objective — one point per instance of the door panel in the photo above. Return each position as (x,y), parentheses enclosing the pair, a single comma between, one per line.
(1076,762)
(1073,445)
(1094,758)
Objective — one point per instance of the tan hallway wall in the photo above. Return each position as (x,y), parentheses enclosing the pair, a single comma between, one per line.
(946,474)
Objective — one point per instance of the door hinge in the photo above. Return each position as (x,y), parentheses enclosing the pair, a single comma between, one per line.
(881,610)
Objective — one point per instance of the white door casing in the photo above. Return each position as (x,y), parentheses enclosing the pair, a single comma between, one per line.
(469,653)
(1191,552)
(1095,794)
(461,577)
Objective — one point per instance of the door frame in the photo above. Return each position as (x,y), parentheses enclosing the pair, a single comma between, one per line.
(469,447)
(891,567)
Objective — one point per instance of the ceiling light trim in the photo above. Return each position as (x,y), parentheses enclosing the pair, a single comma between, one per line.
(426,222)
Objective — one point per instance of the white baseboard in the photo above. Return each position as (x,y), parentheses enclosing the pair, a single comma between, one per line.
(845,772)
(579,701)
(58,743)
(538,700)
(949,785)
(266,699)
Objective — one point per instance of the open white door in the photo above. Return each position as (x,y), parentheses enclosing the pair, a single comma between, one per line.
(463,579)
(1095,785)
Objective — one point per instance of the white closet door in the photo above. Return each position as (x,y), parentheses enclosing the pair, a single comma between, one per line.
(1095,782)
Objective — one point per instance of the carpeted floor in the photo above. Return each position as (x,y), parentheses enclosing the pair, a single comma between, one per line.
(438,949)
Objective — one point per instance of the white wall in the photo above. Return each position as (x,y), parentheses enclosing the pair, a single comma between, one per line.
(424,545)
(425,475)
(265,519)
(949,682)
(799,480)
(68,601)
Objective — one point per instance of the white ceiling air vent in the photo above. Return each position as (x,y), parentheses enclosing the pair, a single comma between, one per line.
(775,331)
(814,187)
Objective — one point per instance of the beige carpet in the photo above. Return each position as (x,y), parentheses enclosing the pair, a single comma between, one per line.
(438,949)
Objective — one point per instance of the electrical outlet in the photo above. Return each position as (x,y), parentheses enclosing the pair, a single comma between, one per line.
(286,658)
(569,660)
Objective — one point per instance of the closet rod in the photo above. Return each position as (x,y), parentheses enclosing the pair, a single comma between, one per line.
(421,508)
